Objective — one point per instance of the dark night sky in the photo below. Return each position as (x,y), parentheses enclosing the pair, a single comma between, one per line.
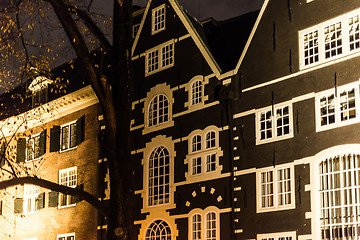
(218,9)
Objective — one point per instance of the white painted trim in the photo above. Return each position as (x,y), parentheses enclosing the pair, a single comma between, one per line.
(159,48)
(203,214)
(50,111)
(153,31)
(277,236)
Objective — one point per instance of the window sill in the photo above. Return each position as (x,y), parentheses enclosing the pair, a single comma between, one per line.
(67,206)
(32,160)
(275,139)
(30,213)
(158,127)
(67,150)
(275,209)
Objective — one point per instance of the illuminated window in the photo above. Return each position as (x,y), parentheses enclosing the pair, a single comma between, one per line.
(68,136)
(196,227)
(67,177)
(158,229)
(159,177)
(158,19)
(68,236)
(337,107)
(31,193)
(277,236)
(33,147)
(272,127)
(339,196)
(159,58)
(158,110)
(330,40)
(276,189)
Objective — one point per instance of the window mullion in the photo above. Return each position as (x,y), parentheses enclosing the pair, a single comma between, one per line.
(345,35)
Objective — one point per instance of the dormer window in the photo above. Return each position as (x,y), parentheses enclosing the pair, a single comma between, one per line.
(158,19)
(39,89)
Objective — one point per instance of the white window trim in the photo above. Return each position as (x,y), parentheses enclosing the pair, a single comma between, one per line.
(203,214)
(27,147)
(192,82)
(276,236)
(33,199)
(273,122)
(259,208)
(338,122)
(156,142)
(158,89)
(153,19)
(203,153)
(69,135)
(159,48)
(60,194)
(65,235)
(320,27)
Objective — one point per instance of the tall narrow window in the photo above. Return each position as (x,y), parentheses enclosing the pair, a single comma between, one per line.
(327,109)
(158,229)
(196,143)
(311,47)
(196,227)
(354,33)
(153,61)
(347,104)
(210,140)
(333,40)
(68,136)
(67,177)
(211,226)
(158,19)
(267,189)
(31,193)
(158,110)
(196,92)
(339,197)
(159,177)
(266,125)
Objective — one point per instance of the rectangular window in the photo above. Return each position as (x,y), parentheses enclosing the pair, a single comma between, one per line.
(330,40)
(67,177)
(277,236)
(68,136)
(211,162)
(31,193)
(272,127)
(196,165)
(32,147)
(275,189)
(159,58)
(158,19)
(68,236)
(337,107)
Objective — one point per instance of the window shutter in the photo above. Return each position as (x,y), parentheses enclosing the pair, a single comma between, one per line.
(55,139)
(18,205)
(2,155)
(80,130)
(53,199)
(21,150)
(42,142)
(41,201)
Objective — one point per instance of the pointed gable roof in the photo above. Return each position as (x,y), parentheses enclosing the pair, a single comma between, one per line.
(194,29)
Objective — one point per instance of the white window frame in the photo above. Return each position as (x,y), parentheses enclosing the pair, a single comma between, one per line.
(69,184)
(203,223)
(69,136)
(277,236)
(32,146)
(199,94)
(337,111)
(161,57)
(31,193)
(204,153)
(153,19)
(66,236)
(275,189)
(158,111)
(345,42)
(273,118)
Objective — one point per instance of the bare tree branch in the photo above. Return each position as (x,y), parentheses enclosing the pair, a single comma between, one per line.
(89,198)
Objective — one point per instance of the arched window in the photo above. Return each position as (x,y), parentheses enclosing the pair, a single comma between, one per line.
(340,197)
(159,176)
(196,143)
(196,227)
(158,230)
(210,140)
(210,226)
(196,92)
(158,110)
